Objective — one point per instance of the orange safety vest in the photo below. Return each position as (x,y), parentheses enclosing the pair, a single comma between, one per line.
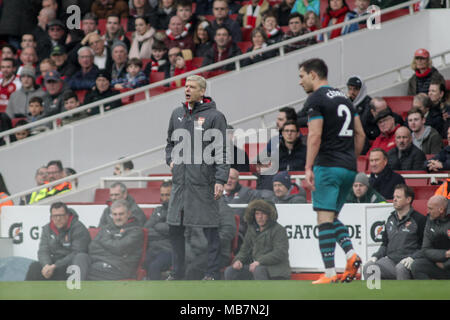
(443,190)
(7,203)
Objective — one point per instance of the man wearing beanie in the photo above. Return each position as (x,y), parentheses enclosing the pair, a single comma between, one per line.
(18,102)
(282,188)
(362,192)
(102,90)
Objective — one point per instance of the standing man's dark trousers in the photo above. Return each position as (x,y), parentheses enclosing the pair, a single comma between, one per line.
(35,273)
(176,236)
(424,269)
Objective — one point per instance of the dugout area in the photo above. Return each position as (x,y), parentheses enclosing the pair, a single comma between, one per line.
(226,290)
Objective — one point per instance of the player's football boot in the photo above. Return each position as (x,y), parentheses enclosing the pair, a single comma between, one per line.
(324,279)
(351,269)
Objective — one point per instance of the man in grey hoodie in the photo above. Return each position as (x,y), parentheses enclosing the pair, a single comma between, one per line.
(18,102)
(424,137)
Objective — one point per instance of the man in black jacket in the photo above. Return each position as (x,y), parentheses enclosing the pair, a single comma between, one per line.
(102,90)
(435,263)
(62,239)
(402,238)
(405,156)
(198,176)
(382,178)
(223,48)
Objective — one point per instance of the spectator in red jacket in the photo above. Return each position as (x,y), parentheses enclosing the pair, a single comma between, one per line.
(386,123)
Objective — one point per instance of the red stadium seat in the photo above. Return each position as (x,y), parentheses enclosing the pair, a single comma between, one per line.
(285,29)
(197,62)
(362,164)
(158,90)
(420,205)
(93,232)
(101,195)
(129,35)
(304,131)
(132,98)
(157,183)
(246,34)
(157,76)
(233,16)
(244,45)
(394,14)
(102,26)
(447,84)
(253,149)
(3,107)
(424,192)
(148,212)
(81,94)
(214,73)
(209,17)
(235,241)
(145,195)
(15,120)
(400,105)
(124,24)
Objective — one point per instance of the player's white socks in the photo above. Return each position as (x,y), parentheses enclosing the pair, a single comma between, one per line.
(349,254)
(330,272)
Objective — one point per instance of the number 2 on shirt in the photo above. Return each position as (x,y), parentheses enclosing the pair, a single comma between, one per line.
(344,111)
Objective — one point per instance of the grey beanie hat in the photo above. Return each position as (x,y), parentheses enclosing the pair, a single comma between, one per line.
(362,178)
(28,71)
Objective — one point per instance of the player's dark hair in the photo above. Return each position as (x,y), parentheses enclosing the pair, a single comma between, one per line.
(317,65)
(409,192)
(290,113)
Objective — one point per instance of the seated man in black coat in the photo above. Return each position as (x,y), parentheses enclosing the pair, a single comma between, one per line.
(405,156)
(382,178)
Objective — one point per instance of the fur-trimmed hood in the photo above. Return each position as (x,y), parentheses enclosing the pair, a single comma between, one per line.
(261,205)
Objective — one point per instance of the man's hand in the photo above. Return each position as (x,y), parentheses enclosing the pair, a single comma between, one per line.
(171,166)
(48,270)
(434,165)
(218,191)
(237,265)
(253,266)
(407,262)
(309,178)
(440,265)
(447,254)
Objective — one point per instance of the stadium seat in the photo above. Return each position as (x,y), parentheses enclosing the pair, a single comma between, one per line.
(93,232)
(15,120)
(101,195)
(124,24)
(81,94)
(209,17)
(3,107)
(362,164)
(424,192)
(284,29)
(157,76)
(132,98)
(400,104)
(253,149)
(246,34)
(158,90)
(420,205)
(145,195)
(214,73)
(304,131)
(157,184)
(235,241)
(233,16)
(246,183)
(244,45)
(148,212)
(447,84)
(197,62)
(412,182)
(394,14)
(129,35)
(102,26)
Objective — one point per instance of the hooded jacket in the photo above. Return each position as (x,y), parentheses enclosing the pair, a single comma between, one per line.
(362,100)
(402,238)
(430,142)
(193,179)
(117,250)
(18,101)
(270,247)
(59,247)
(436,240)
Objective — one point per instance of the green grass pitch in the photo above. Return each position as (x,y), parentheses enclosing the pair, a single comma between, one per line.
(225,290)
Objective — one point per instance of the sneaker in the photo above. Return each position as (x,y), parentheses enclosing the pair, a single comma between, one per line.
(351,269)
(171,277)
(324,279)
(208,278)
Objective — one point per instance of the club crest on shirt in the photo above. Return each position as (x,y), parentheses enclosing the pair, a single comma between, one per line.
(199,123)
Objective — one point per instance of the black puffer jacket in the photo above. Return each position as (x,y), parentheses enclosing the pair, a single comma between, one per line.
(385,182)
(436,240)
(411,159)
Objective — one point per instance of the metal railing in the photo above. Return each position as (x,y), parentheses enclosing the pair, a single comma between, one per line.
(236,60)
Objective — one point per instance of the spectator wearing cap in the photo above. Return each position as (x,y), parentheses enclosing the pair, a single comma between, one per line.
(377,104)
(18,101)
(405,156)
(422,65)
(119,54)
(55,87)
(283,190)
(102,90)
(386,124)
(56,35)
(114,32)
(362,191)
(85,78)
(60,58)
(382,178)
